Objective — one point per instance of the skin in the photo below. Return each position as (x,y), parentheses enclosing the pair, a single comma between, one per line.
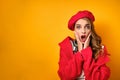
(82,27)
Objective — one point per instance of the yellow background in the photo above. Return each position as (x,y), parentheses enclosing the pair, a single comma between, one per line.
(30,31)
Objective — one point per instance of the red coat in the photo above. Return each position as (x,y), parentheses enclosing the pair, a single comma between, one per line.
(71,65)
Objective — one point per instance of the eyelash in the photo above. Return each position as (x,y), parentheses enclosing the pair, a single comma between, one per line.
(78,26)
(88,27)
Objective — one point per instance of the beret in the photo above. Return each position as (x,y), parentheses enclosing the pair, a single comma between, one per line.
(79,15)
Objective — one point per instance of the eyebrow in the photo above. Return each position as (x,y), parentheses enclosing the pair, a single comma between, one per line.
(77,24)
(85,24)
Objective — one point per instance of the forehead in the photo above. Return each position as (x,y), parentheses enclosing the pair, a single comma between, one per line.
(83,21)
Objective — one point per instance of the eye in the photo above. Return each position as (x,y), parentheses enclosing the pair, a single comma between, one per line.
(78,26)
(88,26)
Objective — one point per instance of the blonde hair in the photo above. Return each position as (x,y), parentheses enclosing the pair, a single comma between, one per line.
(95,41)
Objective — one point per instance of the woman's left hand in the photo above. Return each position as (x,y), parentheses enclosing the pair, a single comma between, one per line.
(86,44)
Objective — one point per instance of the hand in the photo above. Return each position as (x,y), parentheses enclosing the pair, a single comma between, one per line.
(78,41)
(86,44)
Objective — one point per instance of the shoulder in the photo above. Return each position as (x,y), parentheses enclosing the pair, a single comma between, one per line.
(104,55)
(66,47)
(104,50)
(65,42)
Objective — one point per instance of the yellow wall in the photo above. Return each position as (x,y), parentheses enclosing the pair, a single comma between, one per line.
(30,31)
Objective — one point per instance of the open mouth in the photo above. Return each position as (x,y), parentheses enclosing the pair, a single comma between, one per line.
(83,38)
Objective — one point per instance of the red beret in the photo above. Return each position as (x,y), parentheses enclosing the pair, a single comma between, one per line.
(79,15)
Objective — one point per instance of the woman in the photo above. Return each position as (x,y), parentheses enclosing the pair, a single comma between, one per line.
(83,58)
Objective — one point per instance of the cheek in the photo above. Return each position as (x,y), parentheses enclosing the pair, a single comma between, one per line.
(78,32)
(88,32)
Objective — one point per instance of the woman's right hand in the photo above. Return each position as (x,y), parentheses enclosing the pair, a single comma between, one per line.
(80,46)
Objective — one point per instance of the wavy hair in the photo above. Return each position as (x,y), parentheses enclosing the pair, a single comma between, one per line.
(95,41)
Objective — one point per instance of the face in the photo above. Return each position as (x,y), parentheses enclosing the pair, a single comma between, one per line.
(83,29)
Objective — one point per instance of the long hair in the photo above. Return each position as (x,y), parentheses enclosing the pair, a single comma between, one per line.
(95,42)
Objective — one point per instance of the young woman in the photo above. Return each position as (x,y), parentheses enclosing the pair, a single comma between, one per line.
(83,58)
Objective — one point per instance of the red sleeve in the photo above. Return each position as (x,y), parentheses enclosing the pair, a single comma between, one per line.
(95,70)
(70,65)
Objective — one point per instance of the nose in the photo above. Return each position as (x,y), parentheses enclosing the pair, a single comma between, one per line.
(83,31)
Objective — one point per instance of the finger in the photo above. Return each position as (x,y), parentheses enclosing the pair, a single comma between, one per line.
(87,41)
(78,41)
(77,38)
(88,38)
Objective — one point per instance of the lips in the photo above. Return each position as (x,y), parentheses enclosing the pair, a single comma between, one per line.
(83,38)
